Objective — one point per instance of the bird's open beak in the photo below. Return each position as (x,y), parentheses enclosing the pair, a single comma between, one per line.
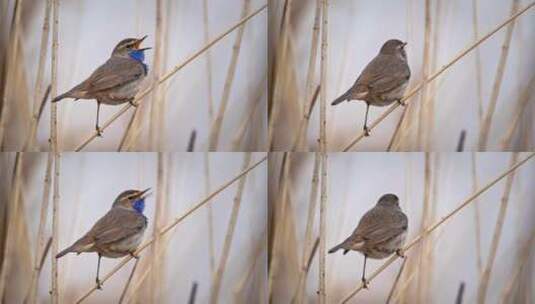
(404,44)
(142,194)
(139,41)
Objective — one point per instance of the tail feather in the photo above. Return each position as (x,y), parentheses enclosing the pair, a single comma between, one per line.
(60,97)
(342,98)
(337,247)
(64,252)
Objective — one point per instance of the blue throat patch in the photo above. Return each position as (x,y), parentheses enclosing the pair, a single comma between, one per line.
(139,56)
(139,205)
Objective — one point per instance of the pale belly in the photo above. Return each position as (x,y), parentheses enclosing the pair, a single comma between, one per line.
(121,94)
(385,249)
(124,247)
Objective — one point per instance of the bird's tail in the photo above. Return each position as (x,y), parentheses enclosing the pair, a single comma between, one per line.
(336,248)
(60,97)
(344,97)
(64,252)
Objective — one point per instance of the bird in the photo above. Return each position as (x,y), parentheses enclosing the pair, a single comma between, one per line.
(381,231)
(382,81)
(115,82)
(118,233)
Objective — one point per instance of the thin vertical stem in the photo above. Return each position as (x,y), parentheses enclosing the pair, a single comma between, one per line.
(208,60)
(422,132)
(323,149)
(207,187)
(477,224)
(477,62)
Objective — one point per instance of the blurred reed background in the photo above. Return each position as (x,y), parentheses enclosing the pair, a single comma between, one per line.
(487,94)
(219,95)
(194,251)
(487,245)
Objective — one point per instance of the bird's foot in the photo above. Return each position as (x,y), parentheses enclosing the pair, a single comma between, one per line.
(400,253)
(99,131)
(132,103)
(402,103)
(366,131)
(99,284)
(135,256)
(365,283)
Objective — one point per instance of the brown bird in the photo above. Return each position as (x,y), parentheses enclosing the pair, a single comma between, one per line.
(115,82)
(380,232)
(383,80)
(118,233)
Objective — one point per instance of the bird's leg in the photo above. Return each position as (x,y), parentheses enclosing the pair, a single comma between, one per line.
(134,255)
(400,253)
(99,131)
(99,285)
(401,102)
(366,130)
(364,282)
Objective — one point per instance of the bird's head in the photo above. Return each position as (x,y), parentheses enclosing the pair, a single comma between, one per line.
(388,200)
(129,47)
(132,199)
(394,47)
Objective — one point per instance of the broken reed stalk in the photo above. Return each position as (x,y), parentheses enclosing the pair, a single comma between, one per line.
(477,63)
(422,131)
(437,73)
(307,246)
(460,294)
(277,64)
(396,281)
(280,218)
(487,118)
(323,150)
(11,58)
(430,229)
(302,131)
(193,293)
(170,226)
(38,91)
(475,185)
(129,281)
(523,100)
(218,121)
(40,242)
(14,198)
(167,76)
(485,276)
(218,276)
(54,149)
(208,55)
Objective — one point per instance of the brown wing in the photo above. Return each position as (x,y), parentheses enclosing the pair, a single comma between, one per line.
(116,225)
(113,73)
(380,224)
(384,73)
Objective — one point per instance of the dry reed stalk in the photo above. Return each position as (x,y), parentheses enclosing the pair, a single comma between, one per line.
(437,73)
(280,217)
(422,132)
(128,282)
(171,225)
(55,151)
(155,136)
(422,285)
(487,118)
(394,140)
(11,58)
(40,242)
(323,150)
(207,187)
(460,294)
(443,219)
(277,63)
(477,228)
(218,276)
(299,143)
(396,281)
(522,260)
(312,202)
(168,75)
(156,258)
(14,198)
(191,141)
(485,276)
(38,91)
(193,293)
(477,62)
(218,121)
(240,286)
(523,100)
(208,60)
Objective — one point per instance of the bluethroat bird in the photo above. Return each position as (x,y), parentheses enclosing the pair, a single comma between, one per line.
(380,232)
(118,233)
(115,82)
(383,80)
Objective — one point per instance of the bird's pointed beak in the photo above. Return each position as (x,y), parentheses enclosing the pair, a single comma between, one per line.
(139,41)
(404,44)
(144,194)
